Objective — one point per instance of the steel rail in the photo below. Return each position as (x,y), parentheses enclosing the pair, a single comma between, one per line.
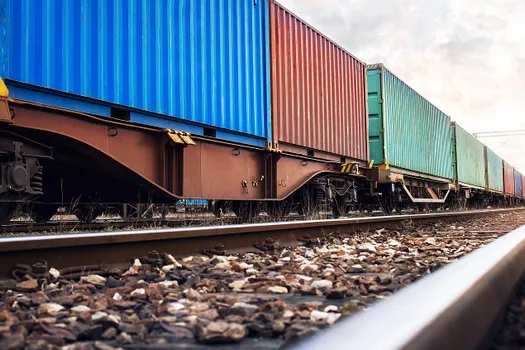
(457,307)
(108,248)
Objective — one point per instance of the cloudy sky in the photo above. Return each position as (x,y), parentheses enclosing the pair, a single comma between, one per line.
(465,56)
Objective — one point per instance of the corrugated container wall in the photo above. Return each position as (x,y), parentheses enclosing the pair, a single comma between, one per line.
(470,158)
(522,186)
(494,171)
(518,185)
(406,130)
(508,178)
(318,89)
(201,61)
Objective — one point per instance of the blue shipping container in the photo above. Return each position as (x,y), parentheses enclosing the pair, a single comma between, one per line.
(205,62)
(518,183)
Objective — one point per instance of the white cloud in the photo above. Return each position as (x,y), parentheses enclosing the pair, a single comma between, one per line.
(466,56)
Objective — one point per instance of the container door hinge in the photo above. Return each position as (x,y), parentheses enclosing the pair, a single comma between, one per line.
(180,137)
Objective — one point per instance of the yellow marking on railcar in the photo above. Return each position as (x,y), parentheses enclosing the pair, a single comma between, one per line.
(180,137)
(4,91)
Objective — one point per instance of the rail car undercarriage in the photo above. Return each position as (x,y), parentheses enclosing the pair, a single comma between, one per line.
(53,158)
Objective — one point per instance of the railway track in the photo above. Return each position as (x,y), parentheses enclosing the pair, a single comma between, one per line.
(263,297)
(461,306)
(108,248)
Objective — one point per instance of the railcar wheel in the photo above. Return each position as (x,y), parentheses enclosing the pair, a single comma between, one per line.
(7,210)
(42,213)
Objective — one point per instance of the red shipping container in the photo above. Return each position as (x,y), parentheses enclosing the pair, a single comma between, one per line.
(318,91)
(508,178)
(523,186)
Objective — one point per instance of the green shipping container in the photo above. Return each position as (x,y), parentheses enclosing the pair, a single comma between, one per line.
(494,174)
(470,158)
(405,130)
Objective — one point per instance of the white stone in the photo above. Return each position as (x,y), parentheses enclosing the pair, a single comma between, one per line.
(98,315)
(169,284)
(285,259)
(331,308)
(132,271)
(114,318)
(322,284)
(52,286)
(278,290)
(188,259)
(306,268)
(117,297)
(309,254)
(322,250)
(50,308)
(251,271)
(223,265)
(368,247)
(237,285)
(329,270)
(303,278)
(241,305)
(168,268)
(173,308)
(174,261)
(318,316)
(332,317)
(137,263)
(80,308)
(94,279)
(394,243)
(430,240)
(54,272)
(244,266)
(390,252)
(288,314)
(138,291)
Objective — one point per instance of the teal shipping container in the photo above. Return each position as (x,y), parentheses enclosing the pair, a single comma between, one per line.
(405,130)
(470,158)
(494,174)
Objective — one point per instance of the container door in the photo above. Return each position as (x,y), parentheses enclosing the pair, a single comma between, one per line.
(375,117)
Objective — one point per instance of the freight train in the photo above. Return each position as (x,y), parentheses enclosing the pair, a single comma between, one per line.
(238,104)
